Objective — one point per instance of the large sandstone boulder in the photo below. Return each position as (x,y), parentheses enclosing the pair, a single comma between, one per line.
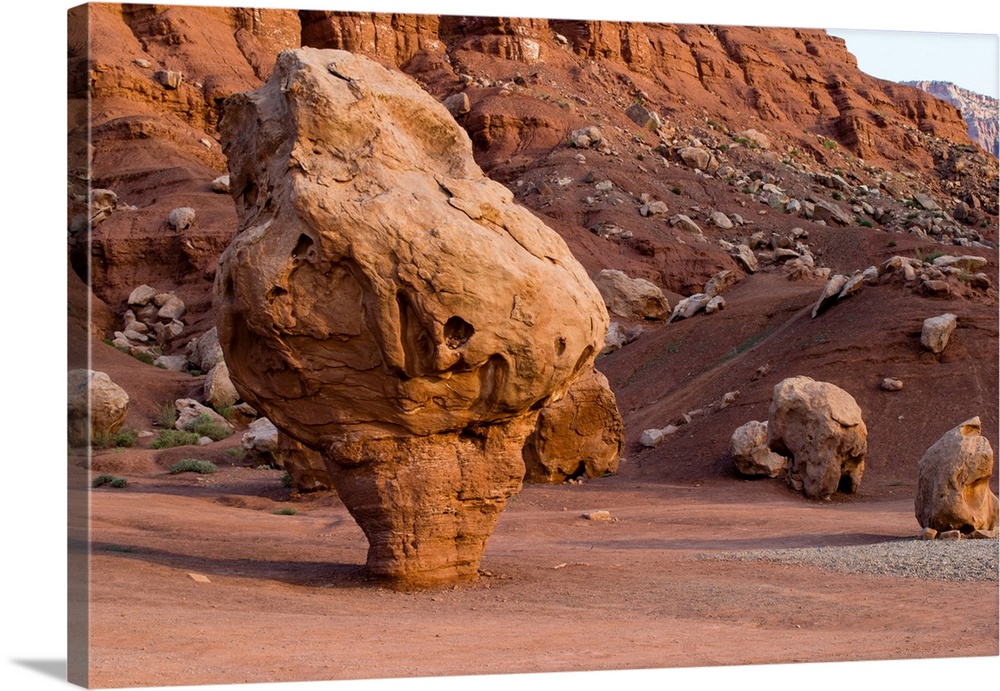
(631,298)
(937,331)
(580,434)
(748,447)
(385,300)
(953,477)
(96,406)
(820,427)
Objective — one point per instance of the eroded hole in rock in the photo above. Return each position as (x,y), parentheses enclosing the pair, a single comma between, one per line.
(560,345)
(250,194)
(845,485)
(418,346)
(302,246)
(276,292)
(457,332)
(474,435)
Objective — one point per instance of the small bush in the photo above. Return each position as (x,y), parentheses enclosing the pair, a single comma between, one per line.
(204,426)
(106,479)
(829,144)
(675,189)
(143,357)
(166,415)
(891,243)
(170,438)
(285,512)
(193,465)
(286,479)
(120,439)
(864,222)
(237,453)
(837,195)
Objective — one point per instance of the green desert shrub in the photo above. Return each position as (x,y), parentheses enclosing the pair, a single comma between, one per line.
(169,438)
(193,465)
(205,426)
(105,479)
(285,512)
(121,439)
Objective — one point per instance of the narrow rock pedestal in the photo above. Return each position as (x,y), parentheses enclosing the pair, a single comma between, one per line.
(429,504)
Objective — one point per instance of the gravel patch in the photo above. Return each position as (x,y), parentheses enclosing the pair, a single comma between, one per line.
(940,560)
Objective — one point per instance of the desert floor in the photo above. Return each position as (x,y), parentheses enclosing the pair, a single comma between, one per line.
(195,580)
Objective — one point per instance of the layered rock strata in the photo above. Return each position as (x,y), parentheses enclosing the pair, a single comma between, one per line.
(385,302)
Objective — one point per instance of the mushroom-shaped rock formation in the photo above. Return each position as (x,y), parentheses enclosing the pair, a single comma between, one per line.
(953,482)
(580,434)
(386,302)
(820,426)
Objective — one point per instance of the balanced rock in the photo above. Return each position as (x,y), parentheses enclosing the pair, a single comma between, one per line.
(580,434)
(953,477)
(387,302)
(748,447)
(631,298)
(819,426)
(96,406)
(937,331)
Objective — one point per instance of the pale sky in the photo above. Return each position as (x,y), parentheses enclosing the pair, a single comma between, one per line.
(968,60)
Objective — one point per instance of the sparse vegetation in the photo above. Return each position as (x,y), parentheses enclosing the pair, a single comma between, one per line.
(285,512)
(864,222)
(106,479)
(204,426)
(829,144)
(123,438)
(675,189)
(166,415)
(170,438)
(837,195)
(236,453)
(891,243)
(745,142)
(193,465)
(286,479)
(928,258)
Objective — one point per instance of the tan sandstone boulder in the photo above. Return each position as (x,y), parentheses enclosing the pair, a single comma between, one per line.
(748,447)
(96,406)
(953,477)
(387,301)
(631,298)
(820,427)
(580,434)
(936,332)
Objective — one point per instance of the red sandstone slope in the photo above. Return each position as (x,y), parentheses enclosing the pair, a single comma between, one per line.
(530,84)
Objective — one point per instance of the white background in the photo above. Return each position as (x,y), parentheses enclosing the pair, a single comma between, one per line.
(33,234)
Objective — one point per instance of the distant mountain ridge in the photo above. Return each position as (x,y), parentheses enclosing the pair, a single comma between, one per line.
(980,112)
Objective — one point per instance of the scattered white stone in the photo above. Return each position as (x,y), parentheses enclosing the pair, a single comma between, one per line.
(937,331)
(181,218)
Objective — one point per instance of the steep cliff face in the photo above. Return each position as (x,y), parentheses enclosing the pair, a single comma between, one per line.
(158,77)
(979,112)
(791,80)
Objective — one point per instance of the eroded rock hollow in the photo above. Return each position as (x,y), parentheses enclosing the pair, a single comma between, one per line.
(386,302)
